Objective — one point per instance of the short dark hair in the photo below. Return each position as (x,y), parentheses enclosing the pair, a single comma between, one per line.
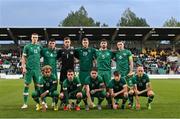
(103,40)
(67,38)
(85,39)
(70,70)
(34,34)
(52,40)
(116,73)
(94,69)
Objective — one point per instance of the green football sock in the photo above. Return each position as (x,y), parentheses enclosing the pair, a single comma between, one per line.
(25,94)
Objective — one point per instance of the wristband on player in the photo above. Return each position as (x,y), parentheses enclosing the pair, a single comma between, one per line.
(47,91)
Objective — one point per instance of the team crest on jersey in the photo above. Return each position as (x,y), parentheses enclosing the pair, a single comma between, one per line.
(47,84)
(71,52)
(144,81)
(120,57)
(85,53)
(140,84)
(103,56)
(35,51)
(51,55)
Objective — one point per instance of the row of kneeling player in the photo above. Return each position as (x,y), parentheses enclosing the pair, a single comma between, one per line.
(126,88)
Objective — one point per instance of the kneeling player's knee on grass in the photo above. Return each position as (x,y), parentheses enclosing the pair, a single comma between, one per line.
(61,96)
(79,95)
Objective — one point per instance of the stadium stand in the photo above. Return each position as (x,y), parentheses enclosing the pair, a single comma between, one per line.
(144,42)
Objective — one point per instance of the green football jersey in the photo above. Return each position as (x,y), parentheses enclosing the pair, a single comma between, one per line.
(49,83)
(50,57)
(32,53)
(122,61)
(142,81)
(104,60)
(117,85)
(86,57)
(72,86)
(94,83)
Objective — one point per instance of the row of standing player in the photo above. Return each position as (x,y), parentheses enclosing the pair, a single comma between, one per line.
(32,53)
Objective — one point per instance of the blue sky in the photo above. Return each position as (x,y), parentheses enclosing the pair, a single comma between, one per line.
(50,12)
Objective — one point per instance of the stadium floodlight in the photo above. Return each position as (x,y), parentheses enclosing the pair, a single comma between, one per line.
(154,34)
(72,35)
(3,35)
(104,34)
(22,36)
(121,34)
(171,34)
(55,35)
(138,35)
(88,34)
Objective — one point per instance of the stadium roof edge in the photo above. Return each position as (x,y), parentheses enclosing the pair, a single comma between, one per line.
(113,33)
(87,27)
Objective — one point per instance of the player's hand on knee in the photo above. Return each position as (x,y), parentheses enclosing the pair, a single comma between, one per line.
(131,92)
(61,95)
(137,92)
(150,93)
(107,94)
(113,94)
(79,95)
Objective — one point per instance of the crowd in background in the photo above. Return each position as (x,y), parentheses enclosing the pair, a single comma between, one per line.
(155,61)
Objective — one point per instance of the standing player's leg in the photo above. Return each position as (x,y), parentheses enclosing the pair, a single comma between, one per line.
(82,77)
(85,99)
(63,76)
(130,97)
(107,78)
(28,78)
(124,100)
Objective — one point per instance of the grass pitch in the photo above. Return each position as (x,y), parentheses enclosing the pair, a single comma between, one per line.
(166,104)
